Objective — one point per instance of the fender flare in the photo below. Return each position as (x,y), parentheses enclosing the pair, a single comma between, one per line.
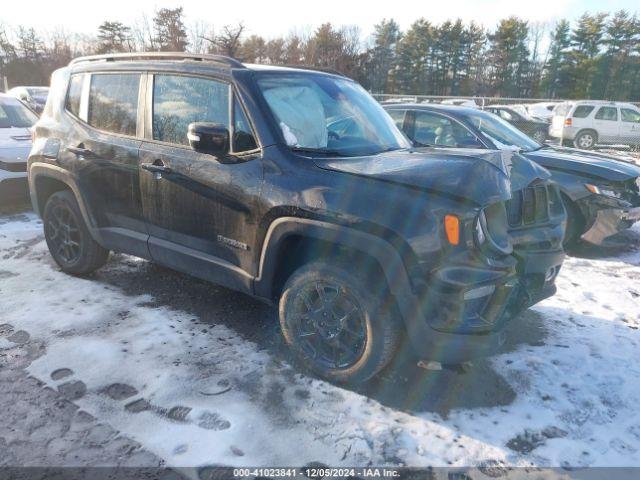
(382,251)
(39,170)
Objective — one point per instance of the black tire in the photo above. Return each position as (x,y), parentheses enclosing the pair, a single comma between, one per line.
(540,136)
(371,334)
(575,224)
(585,139)
(71,246)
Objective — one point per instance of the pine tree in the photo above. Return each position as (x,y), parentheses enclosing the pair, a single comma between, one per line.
(381,57)
(170,32)
(114,37)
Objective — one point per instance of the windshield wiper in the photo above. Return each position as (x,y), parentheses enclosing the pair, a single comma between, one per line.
(322,151)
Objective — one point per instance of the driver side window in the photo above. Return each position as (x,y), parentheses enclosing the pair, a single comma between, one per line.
(433,129)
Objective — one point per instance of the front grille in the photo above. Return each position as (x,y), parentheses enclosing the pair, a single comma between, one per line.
(13,166)
(528,206)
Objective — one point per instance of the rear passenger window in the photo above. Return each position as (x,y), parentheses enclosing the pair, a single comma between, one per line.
(607,113)
(74,94)
(583,111)
(113,102)
(180,100)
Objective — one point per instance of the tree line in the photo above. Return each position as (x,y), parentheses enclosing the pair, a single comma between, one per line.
(596,56)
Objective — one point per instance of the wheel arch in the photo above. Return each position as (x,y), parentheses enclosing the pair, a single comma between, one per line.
(46,179)
(290,242)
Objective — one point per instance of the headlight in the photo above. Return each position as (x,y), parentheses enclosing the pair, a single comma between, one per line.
(603,190)
(490,230)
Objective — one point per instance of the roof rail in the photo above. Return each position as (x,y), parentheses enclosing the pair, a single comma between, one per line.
(314,68)
(114,57)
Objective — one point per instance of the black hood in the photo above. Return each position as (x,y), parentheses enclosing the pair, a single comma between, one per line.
(586,163)
(480,176)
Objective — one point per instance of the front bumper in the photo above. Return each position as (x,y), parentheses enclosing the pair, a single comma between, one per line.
(13,186)
(462,313)
(610,221)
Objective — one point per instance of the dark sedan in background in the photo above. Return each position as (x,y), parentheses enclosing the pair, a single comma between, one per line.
(535,128)
(601,193)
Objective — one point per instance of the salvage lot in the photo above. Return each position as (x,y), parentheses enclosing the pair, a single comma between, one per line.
(139,365)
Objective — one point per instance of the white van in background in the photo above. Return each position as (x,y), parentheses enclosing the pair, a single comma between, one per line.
(586,123)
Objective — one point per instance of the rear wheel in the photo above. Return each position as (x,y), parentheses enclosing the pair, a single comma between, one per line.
(585,140)
(335,325)
(68,238)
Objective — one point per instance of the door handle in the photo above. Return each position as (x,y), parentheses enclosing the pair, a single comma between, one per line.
(155,168)
(81,151)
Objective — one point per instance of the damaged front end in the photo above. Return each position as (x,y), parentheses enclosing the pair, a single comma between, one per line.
(610,208)
(511,257)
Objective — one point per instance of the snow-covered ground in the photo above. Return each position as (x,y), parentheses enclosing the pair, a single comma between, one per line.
(200,393)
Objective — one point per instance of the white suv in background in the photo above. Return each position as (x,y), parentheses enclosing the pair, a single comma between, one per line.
(586,123)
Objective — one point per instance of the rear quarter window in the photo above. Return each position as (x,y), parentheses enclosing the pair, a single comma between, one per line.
(583,111)
(74,94)
(113,102)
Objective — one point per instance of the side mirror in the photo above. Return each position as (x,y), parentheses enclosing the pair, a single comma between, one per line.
(208,137)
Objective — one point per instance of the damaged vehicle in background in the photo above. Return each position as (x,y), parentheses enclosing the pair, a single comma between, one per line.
(16,121)
(601,193)
(294,186)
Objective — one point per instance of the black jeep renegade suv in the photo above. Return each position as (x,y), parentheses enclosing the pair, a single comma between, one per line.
(294,186)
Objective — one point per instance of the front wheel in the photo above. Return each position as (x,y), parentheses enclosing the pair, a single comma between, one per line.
(575,224)
(335,325)
(68,238)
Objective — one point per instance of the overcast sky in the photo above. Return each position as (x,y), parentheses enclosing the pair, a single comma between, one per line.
(271,18)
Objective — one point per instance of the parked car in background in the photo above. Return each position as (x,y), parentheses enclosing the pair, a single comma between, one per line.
(34,97)
(294,186)
(536,129)
(461,102)
(601,194)
(587,123)
(16,121)
(541,110)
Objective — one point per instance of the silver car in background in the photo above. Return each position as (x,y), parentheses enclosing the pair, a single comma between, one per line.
(587,123)
(16,121)
(34,97)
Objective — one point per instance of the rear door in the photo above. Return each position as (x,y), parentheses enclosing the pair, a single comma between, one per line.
(103,148)
(201,212)
(607,123)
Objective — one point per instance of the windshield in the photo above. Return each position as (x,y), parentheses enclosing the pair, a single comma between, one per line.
(324,114)
(16,115)
(502,133)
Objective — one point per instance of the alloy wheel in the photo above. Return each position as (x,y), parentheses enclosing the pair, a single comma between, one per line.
(329,325)
(63,234)
(586,141)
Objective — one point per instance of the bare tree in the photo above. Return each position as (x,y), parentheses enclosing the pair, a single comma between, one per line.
(228,42)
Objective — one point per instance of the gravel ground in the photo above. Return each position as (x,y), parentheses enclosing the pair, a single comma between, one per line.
(177,408)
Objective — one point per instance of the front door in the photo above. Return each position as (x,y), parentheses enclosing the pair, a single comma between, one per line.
(200,210)
(630,126)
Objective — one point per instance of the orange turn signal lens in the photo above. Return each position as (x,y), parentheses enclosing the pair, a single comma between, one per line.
(452,228)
